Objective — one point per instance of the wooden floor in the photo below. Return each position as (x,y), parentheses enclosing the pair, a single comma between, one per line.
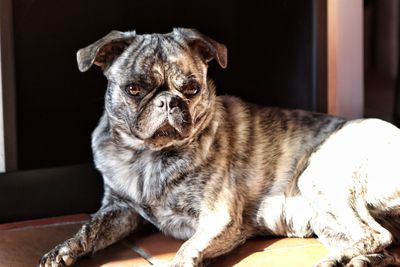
(23,243)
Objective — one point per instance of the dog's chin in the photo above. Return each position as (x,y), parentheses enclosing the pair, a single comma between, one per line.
(166,136)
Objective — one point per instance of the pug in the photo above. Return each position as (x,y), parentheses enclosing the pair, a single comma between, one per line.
(215,170)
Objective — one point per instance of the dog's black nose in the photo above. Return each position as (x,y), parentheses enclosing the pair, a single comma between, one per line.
(173,102)
(167,102)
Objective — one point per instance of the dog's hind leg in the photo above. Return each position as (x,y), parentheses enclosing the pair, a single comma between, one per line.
(389,257)
(381,259)
(352,173)
(343,222)
(354,237)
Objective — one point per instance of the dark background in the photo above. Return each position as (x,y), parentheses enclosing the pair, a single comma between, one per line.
(272,60)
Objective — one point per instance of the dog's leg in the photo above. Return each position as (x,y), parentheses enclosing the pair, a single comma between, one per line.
(217,234)
(111,223)
(381,259)
(353,236)
(389,256)
(338,242)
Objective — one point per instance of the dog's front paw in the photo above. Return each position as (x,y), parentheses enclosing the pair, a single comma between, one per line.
(59,256)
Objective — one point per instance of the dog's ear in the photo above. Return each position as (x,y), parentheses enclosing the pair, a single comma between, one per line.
(206,47)
(103,52)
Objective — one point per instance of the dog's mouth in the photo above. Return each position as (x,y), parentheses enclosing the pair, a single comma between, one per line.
(166,130)
(164,134)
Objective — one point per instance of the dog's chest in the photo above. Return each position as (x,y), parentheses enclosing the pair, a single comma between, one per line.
(180,225)
(166,204)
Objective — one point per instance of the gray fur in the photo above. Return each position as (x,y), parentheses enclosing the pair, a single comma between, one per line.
(214,170)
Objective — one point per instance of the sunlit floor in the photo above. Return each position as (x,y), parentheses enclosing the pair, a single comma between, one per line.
(22,245)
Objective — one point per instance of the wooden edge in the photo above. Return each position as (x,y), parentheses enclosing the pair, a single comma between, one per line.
(45,222)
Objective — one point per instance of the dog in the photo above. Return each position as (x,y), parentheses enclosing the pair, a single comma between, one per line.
(215,170)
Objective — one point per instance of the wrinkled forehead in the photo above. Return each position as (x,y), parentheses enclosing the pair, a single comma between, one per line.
(156,58)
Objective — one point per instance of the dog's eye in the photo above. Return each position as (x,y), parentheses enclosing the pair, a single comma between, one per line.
(133,89)
(191,88)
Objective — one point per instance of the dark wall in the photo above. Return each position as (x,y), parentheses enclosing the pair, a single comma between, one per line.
(271,61)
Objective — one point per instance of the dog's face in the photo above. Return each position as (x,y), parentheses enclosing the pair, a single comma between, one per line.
(157,84)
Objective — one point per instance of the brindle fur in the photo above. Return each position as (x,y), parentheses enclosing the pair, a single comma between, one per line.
(235,169)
